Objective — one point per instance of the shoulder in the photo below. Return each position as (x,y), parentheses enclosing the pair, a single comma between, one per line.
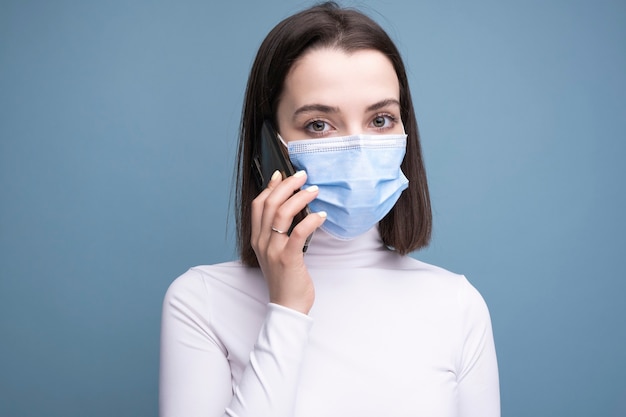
(454,287)
(206,284)
(455,301)
(431,273)
(203,277)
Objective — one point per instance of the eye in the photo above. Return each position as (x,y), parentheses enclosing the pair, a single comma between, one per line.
(383,121)
(318,126)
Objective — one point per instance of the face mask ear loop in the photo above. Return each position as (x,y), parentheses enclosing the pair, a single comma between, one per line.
(282,140)
(285,150)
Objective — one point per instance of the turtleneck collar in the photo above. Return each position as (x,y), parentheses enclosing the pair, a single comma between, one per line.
(366,250)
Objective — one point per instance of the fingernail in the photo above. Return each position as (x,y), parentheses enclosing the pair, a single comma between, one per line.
(322,214)
(312,188)
(299,174)
(275,175)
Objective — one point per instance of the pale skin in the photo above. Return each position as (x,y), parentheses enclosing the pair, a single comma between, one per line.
(327,92)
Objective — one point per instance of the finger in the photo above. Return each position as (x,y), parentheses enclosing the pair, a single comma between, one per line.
(277,197)
(302,231)
(285,214)
(258,203)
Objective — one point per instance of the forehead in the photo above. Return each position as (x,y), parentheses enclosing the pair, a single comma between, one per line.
(334,76)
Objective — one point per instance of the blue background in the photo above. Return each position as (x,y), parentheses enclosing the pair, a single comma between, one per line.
(118,124)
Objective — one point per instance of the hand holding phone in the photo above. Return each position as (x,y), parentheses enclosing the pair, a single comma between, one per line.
(270,157)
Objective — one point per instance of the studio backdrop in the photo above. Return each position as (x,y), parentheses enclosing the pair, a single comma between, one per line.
(118,130)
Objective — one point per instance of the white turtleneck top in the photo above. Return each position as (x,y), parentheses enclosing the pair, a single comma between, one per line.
(387,336)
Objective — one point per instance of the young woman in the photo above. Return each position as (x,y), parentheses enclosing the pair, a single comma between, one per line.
(352,327)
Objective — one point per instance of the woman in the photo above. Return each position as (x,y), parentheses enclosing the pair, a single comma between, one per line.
(352,327)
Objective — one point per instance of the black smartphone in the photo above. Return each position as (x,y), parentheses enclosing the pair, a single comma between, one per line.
(269,157)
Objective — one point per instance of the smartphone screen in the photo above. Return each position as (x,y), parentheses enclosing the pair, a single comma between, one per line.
(270,157)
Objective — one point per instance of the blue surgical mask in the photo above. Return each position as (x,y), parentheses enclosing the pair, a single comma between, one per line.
(359,178)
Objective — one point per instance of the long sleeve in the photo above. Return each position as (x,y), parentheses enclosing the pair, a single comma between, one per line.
(478,384)
(269,383)
(195,373)
(387,334)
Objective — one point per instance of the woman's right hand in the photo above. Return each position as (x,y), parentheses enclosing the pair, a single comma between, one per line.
(280,256)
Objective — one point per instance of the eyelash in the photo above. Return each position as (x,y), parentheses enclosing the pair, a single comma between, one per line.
(309,129)
(391,118)
(388,116)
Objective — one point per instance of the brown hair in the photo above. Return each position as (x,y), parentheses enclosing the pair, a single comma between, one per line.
(408,225)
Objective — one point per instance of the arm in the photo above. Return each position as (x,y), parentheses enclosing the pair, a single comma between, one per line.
(195,377)
(478,384)
(195,373)
(269,383)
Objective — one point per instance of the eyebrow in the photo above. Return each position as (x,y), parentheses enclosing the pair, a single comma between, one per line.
(384,103)
(322,108)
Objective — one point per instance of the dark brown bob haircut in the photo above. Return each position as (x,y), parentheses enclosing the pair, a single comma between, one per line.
(408,225)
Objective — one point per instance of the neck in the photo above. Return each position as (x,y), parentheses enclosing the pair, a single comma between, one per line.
(366,250)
